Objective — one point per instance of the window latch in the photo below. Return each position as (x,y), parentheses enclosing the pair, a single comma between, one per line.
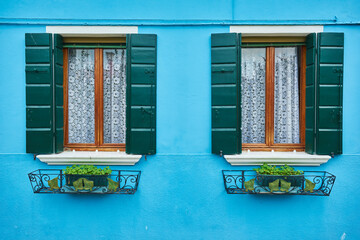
(146,111)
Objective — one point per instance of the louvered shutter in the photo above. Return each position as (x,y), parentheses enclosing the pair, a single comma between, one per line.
(42,108)
(329,93)
(226,93)
(141,94)
(310,93)
(324,78)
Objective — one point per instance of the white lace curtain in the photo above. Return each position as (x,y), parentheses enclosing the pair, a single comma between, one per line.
(114,95)
(81,96)
(286,102)
(81,109)
(286,105)
(253,95)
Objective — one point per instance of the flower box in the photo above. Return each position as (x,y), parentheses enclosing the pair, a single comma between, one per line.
(99,180)
(295,180)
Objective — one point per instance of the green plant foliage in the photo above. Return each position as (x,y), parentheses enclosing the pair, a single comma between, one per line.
(284,185)
(112,185)
(274,186)
(273,170)
(86,170)
(83,184)
(309,186)
(53,183)
(249,185)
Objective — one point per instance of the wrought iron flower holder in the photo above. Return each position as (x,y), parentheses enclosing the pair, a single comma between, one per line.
(55,181)
(318,183)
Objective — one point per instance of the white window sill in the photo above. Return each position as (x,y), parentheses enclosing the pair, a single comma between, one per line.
(277,158)
(98,158)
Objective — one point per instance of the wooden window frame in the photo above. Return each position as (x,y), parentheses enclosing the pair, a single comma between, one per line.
(99,109)
(269,144)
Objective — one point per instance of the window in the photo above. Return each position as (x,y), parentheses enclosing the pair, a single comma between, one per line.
(110,96)
(272,96)
(272,101)
(95,98)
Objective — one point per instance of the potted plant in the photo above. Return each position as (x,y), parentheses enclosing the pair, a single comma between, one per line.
(267,174)
(90,172)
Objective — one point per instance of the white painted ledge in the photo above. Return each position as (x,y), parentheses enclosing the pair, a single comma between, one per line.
(92,31)
(278,30)
(98,158)
(276,158)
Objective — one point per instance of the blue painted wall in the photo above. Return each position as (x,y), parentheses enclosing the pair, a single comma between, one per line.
(255,10)
(181,193)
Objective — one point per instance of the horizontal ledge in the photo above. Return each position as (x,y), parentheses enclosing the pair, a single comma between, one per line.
(277,158)
(98,158)
(168,21)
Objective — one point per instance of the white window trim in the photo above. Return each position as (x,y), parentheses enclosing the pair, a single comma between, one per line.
(92,31)
(82,157)
(276,158)
(278,30)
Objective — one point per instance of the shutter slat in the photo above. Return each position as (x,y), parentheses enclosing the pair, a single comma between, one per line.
(141,94)
(225,93)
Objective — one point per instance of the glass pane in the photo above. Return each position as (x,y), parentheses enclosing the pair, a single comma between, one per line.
(81,111)
(286,109)
(253,66)
(114,95)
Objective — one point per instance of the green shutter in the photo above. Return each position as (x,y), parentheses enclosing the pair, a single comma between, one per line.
(310,93)
(141,94)
(225,93)
(324,77)
(40,89)
(59,93)
(329,93)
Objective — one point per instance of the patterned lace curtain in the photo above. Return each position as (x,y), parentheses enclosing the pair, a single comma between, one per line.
(114,95)
(286,109)
(253,94)
(81,110)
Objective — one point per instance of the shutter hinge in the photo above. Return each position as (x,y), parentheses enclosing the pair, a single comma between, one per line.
(332,154)
(221,153)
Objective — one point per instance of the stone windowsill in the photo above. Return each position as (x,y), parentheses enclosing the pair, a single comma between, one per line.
(277,158)
(98,158)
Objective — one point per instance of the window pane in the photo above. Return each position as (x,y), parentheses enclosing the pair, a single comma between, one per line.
(286,109)
(81,100)
(114,95)
(253,63)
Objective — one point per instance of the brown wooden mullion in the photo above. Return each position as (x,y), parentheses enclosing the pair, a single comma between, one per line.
(302,95)
(269,112)
(65,92)
(97,97)
(101,99)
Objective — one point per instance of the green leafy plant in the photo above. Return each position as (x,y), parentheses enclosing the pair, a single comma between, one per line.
(285,170)
(86,170)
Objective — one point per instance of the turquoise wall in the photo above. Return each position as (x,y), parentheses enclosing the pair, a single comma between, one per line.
(181,194)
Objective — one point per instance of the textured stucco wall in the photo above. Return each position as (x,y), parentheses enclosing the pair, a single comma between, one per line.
(181,193)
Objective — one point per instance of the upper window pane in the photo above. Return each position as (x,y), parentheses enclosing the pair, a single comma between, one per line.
(286,96)
(114,88)
(253,66)
(81,110)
